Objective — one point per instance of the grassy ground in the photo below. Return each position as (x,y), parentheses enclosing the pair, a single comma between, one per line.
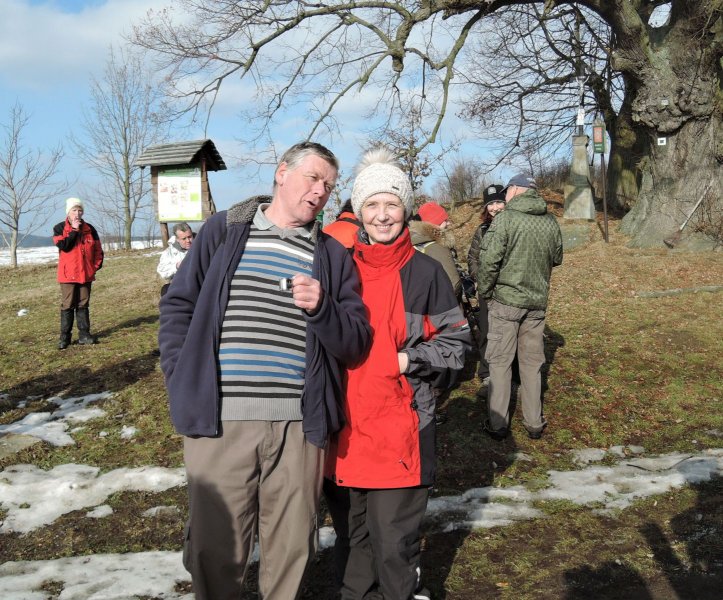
(623,370)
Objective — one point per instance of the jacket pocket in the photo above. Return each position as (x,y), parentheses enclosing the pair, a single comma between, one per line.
(494,345)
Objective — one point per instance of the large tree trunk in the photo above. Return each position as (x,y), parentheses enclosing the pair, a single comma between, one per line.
(629,143)
(674,76)
(673,178)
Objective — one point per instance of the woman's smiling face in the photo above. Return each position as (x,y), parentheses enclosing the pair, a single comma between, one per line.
(383,217)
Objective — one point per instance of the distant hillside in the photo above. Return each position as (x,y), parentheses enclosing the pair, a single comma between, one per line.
(31,241)
(40,241)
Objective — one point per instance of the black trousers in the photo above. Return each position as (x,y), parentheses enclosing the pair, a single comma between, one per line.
(377,548)
(483,370)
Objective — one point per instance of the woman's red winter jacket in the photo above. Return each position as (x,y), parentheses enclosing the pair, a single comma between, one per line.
(388,439)
(80,253)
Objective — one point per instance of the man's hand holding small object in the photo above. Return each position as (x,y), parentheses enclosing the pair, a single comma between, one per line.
(306,291)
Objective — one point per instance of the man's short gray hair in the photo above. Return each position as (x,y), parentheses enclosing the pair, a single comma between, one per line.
(298,152)
(182,226)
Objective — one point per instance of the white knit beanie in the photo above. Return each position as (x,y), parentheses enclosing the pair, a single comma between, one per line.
(379,172)
(71,202)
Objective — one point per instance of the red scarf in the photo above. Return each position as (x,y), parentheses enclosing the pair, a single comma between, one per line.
(378,447)
(381,288)
(376,260)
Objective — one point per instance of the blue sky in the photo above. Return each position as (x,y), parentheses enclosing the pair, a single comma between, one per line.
(49,49)
(48,52)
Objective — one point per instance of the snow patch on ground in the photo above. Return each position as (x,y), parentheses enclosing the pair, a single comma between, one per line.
(52,427)
(47,495)
(611,488)
(101,576)
(34,497)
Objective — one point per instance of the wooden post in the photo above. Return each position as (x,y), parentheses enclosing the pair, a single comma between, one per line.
(604,197)
(164,235)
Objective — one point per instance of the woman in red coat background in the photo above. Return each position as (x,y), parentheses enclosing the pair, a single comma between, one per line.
(80,255)
(381,463)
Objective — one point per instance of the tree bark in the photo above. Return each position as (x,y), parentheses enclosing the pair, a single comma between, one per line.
(628,145)
(673,176)
(14,248)
(675,120)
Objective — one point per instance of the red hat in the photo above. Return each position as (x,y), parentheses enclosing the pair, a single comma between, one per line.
(432,213)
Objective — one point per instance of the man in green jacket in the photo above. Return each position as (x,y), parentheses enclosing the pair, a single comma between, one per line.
(517,255)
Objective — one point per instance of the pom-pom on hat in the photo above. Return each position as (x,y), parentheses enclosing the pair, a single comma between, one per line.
(431,212)
(379,172)
(71,202)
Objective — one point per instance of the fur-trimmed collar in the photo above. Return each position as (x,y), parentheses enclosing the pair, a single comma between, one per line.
(422,231)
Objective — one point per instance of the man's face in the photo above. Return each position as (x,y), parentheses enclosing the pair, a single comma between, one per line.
(76,213)
(301,193)
(184,239)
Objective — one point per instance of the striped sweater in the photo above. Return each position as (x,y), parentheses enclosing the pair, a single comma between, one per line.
(263,337)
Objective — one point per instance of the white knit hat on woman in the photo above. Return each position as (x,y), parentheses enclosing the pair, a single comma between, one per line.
(71,202)
(379,172)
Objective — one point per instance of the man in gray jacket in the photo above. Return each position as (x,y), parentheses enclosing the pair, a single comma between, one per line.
(520,249)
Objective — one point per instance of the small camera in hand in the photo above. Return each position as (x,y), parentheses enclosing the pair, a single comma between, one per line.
(285,284)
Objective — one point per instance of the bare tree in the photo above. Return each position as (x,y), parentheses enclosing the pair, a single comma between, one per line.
(531,71)
(27,183)
(125,115)
(463,180)
(320,53)
(407,139)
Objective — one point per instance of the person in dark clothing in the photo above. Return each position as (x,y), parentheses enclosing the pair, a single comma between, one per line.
(262,318)
(80,256)
(494,202)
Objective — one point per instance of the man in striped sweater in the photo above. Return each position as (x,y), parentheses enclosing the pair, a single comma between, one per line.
(263,317)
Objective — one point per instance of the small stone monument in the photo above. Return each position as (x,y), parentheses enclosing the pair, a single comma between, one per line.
(578,193)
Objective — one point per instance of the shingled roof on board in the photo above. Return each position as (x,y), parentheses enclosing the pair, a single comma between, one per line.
(182,153)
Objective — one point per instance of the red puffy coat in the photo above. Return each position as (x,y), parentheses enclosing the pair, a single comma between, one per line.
(80,253)
(344,229)
(388,438)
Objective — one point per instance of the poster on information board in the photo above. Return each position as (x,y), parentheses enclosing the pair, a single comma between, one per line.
(179,195)
(598,137)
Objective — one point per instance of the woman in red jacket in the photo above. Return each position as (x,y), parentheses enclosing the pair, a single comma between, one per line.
(381,464)
(80,255)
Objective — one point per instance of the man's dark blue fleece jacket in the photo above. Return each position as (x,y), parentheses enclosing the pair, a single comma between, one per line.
(192,312)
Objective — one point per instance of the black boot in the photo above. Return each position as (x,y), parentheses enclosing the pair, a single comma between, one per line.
(66,328)
(83,317)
